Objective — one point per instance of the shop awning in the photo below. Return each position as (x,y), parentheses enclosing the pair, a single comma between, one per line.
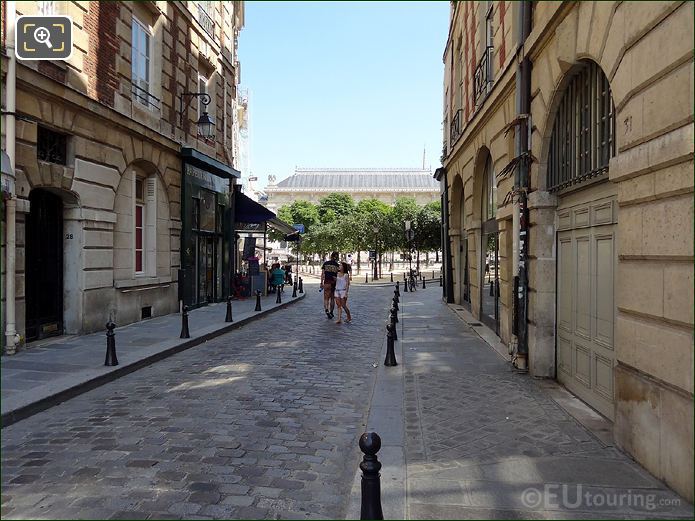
(247,210)
(281,226)
(209,164)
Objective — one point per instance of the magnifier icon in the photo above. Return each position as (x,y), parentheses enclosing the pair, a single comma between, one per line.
(43,35)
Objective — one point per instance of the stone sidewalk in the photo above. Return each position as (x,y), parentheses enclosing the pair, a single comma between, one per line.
(466,436)
(54,371)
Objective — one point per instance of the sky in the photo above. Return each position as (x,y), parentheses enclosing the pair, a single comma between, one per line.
(343,84)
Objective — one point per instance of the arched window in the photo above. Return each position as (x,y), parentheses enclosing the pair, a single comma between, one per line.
(583,138)
(489,205)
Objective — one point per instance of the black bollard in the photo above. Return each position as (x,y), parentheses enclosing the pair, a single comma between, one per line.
(301,285)
(258,300)
(294,289)
(184,323)
(423,282)
(111,359)
(405,278)
(395,329)
(370,443)
(229,317)
(394,312)
(440,281)
(395,304)
(278,300)
(392,277)
(405,287)
(398,288)
(366,278)
(390,359)
(396,297)
(492,290)
(432,273)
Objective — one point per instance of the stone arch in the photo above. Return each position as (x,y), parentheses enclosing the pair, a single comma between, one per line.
(478,179)
(457,203)
(159,241)
(546,131)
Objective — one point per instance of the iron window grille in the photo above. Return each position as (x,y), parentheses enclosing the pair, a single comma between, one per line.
(456,128)
(482,78)
(144,97)
(583,137)
(205,19)
(51,147)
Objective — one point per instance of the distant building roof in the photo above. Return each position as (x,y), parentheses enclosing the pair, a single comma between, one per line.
(358,180)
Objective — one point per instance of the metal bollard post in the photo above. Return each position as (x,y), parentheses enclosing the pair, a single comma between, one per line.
(398,288)
(405,287)
(440,281)
(229,317)
(492,290)
(278,300)
(432,273)
(390,360)
(395,304)
(370,443)
(396,297)
(405,278)
(258,300)
(294,289)
(423,282)
(111,359)
(366,278)
(391,276)
(394,312)
(184,323)
(301,285)
(395,329)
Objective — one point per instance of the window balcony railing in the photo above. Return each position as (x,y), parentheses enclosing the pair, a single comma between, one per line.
(206,21)
(456,128)
(482,79)
(144,97)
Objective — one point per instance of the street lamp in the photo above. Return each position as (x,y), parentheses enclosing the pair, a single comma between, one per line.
(205,122)
(376,251)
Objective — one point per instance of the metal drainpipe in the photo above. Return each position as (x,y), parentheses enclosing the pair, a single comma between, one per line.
(11,336)
(521,181)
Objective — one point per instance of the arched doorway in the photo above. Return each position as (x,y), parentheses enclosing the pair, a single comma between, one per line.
(44,265)
(489,283)
(580,148)
(463,255)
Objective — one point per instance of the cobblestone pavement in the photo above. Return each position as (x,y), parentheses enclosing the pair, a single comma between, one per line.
(260,423)
(483,441)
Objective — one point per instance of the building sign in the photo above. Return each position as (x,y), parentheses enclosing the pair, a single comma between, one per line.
(206,179)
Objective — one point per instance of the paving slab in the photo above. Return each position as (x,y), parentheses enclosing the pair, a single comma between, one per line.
(45,375)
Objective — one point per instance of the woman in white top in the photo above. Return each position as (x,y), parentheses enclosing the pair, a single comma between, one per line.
(342,286)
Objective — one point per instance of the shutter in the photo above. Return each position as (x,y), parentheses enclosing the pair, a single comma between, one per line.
(151,226)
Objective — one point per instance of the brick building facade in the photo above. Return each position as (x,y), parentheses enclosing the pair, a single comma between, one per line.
(567,177)
(104,152)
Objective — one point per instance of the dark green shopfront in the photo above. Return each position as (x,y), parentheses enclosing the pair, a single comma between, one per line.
(207,235)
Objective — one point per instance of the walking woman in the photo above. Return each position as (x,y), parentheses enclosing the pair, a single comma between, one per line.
(342,286)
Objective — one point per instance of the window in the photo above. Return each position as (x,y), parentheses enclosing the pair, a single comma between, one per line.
(140,62)
(51,147)
(46,8)
(202,87)
(489,192)
(145,225)
(583,138)
(139,225)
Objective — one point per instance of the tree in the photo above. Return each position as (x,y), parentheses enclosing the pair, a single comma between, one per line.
(335,206)
(376,226)
(300,212)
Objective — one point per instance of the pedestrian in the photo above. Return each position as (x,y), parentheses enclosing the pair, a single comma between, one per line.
(277,277)
(342,286)
(329,270)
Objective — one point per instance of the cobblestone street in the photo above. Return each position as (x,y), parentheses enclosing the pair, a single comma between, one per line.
(260,423)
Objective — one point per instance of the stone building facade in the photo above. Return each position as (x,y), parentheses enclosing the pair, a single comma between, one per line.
(384,184)
(103,151)
(607,144)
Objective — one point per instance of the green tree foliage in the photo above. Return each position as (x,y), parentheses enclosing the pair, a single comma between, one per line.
(335,206)
(300,212)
